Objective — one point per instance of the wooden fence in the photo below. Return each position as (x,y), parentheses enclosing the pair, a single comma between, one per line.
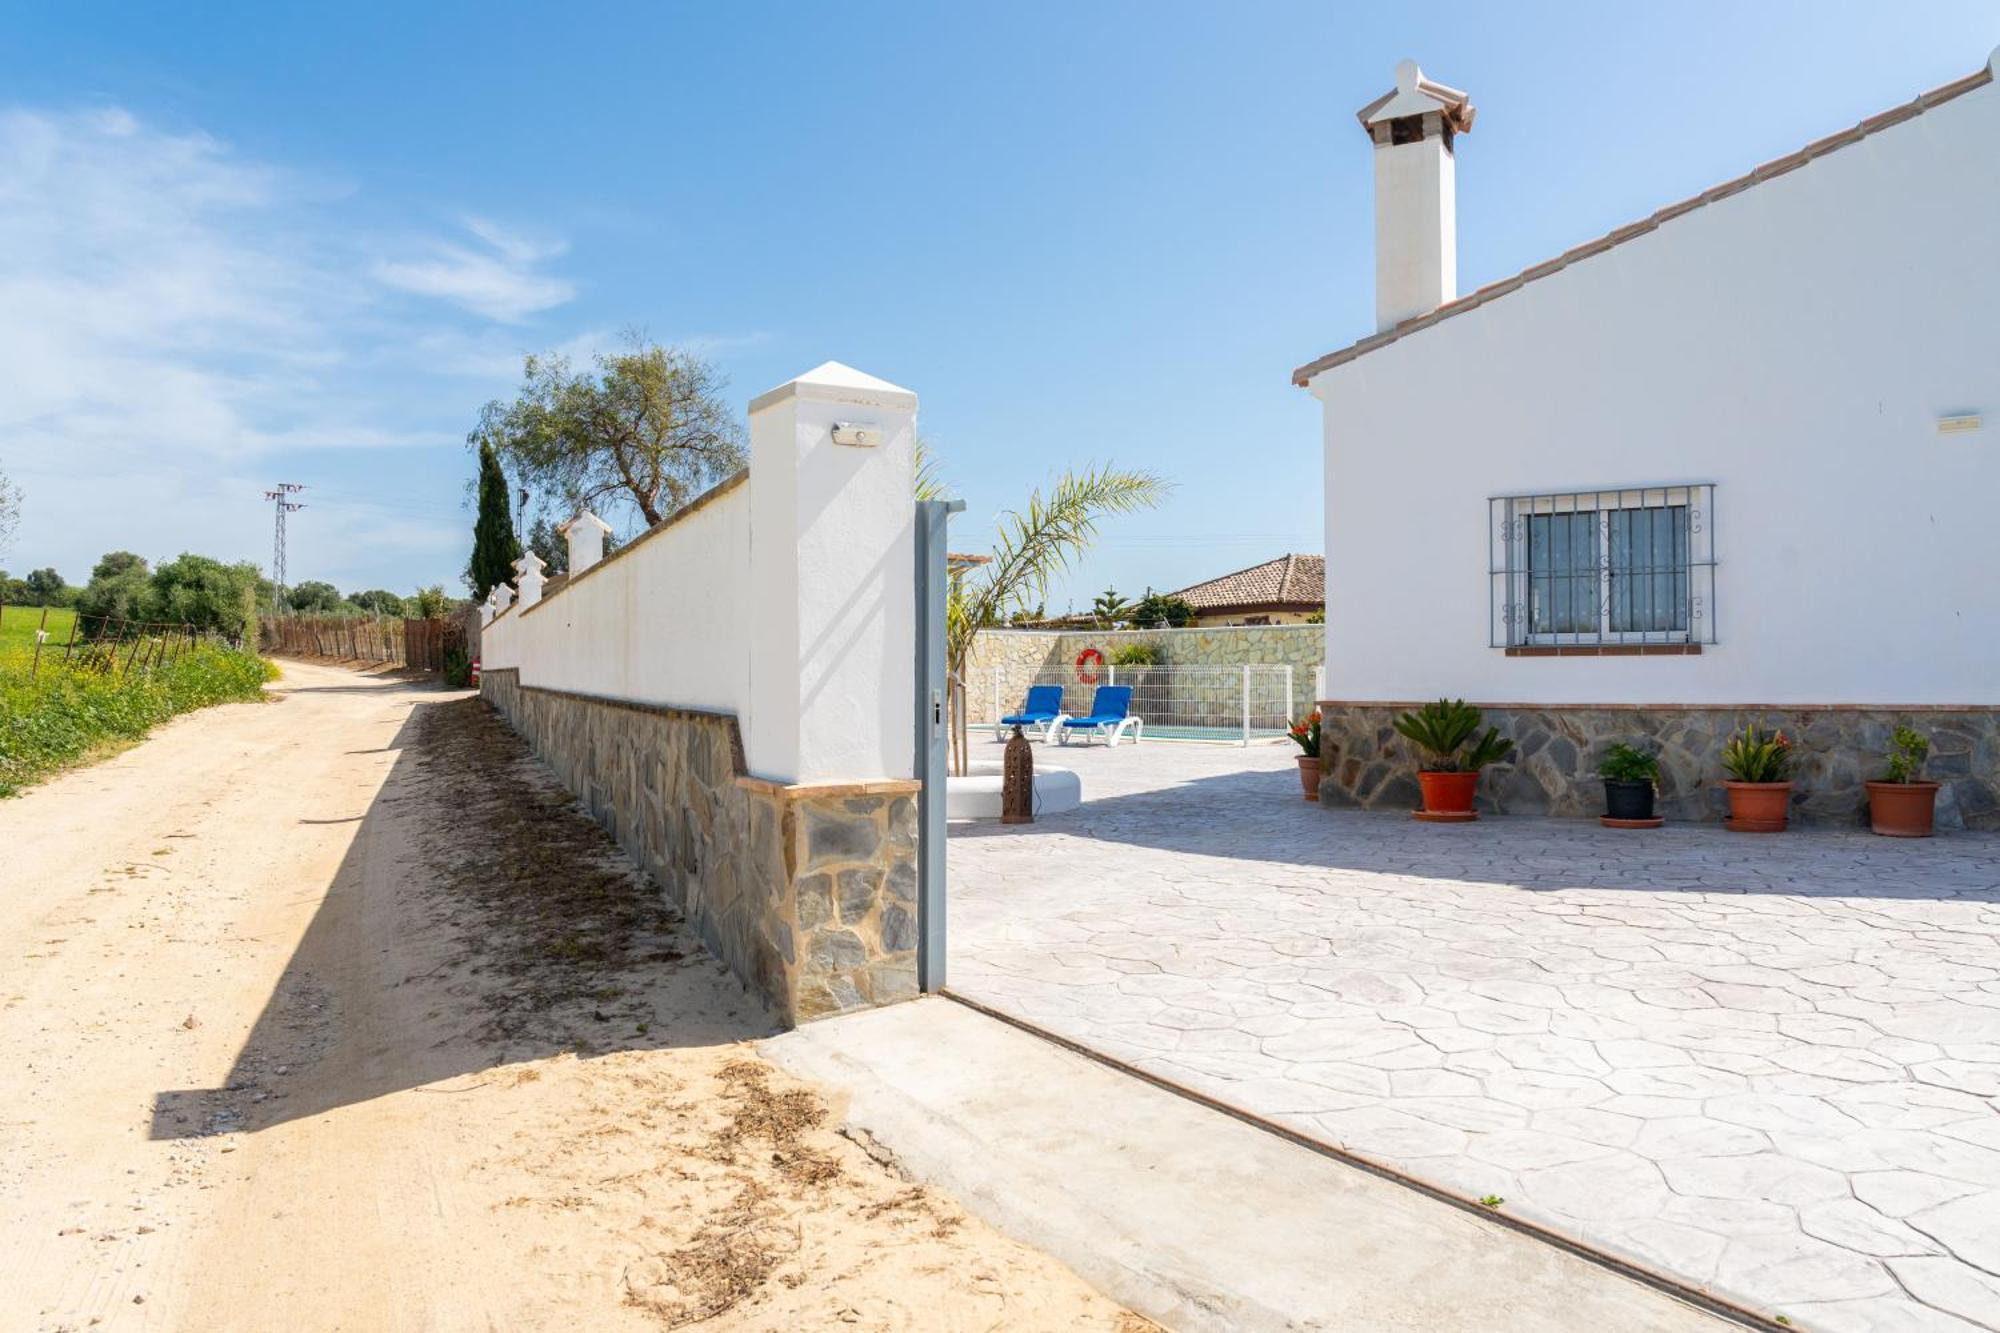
(421,644)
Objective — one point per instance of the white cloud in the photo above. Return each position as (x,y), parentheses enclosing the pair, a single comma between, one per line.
(176,322)
(499,281)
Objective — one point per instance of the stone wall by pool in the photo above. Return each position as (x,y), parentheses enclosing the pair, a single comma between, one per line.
(1838,748)
(1021,657)
(807,893)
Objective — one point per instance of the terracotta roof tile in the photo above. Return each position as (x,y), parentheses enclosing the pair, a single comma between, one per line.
(1290,580)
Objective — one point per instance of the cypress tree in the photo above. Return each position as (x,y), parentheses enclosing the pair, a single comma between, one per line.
(494,548)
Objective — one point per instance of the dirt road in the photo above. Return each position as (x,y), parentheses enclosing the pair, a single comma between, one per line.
(332,1013)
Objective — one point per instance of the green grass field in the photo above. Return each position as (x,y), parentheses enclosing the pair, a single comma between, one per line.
(58,717)
(17,633)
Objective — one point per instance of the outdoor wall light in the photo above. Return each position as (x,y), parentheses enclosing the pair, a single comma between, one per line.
(861,437)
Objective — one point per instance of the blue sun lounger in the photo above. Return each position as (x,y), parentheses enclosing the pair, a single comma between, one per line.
(1042,711)
(1110,717)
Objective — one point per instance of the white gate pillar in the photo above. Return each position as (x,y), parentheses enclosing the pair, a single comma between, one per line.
(832,578)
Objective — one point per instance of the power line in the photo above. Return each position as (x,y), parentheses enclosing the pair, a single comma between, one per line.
(283,506)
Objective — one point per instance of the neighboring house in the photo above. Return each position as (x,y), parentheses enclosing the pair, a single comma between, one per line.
(1737,461)
(1287,591)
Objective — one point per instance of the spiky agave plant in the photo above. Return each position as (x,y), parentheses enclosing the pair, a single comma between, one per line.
(1442,729)
(1755,757)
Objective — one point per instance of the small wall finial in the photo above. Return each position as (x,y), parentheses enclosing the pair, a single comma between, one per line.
(585,534)
(1407,75)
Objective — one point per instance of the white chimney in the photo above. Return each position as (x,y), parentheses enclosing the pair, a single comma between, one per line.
(1416,197)
(585,533)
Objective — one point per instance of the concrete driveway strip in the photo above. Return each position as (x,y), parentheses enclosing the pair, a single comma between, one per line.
(1186,1215)
(1769,1067)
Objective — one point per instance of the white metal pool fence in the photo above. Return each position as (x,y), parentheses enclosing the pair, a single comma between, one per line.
(1205,703)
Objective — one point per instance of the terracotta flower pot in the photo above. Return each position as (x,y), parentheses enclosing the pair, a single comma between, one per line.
(1447,796)
(1309,775)
(1758,807)
(1902,809)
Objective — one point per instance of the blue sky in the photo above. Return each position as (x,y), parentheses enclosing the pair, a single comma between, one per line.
(248,243)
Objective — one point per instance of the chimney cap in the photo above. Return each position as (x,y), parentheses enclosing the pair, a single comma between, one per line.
(1413,95)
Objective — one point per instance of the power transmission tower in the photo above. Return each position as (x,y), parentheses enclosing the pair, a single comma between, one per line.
(280,498)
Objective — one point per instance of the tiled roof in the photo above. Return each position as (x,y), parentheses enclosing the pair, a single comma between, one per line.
(1777,167)
(1290,580)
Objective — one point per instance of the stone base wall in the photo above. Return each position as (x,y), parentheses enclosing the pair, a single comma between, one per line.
(807,893)
(1021,656)
(1366,763)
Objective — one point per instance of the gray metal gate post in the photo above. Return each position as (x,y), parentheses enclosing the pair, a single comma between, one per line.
(933,737)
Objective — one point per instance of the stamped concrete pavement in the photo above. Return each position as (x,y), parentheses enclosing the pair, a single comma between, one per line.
(1768,1066)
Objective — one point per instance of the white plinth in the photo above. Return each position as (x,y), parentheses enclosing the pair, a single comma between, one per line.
(977,794)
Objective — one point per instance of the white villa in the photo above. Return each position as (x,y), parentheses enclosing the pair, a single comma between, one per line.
(1737,461)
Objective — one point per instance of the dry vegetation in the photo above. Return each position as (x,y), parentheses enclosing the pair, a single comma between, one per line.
(725,1186)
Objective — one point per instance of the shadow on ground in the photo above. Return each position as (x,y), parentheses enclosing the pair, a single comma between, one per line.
(1257,815)
(478,919)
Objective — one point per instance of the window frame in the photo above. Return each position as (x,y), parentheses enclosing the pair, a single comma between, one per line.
(1513,581)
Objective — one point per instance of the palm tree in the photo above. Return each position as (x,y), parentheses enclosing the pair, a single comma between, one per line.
(1035,545)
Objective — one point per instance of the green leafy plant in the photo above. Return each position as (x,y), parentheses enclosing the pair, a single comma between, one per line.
(1156,609)
(1490,1201)
(457,668)
(429,603)
(1137,654)
(68,715)
(1908,748)
(1755,757)
(1305,732)
(1443,730)
(1628,763)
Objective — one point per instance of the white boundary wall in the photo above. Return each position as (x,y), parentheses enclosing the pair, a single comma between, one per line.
(1796,344)
(785,597)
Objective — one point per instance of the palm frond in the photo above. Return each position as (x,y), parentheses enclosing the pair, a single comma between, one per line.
(1043,540)
(929,482)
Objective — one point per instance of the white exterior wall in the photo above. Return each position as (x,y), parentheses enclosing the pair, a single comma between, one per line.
(788,601)
(1795,344)
(665,623)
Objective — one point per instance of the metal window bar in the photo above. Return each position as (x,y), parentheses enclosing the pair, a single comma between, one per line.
(1619,565)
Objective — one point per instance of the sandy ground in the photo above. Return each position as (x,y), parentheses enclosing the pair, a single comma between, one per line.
(332,1013)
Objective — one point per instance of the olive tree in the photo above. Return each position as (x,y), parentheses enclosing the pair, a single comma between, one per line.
(647,426)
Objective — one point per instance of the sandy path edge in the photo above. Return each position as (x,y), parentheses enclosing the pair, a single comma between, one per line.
(300,1027)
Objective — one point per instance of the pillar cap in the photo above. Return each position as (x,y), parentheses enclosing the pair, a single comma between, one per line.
(583,519)
(832,382)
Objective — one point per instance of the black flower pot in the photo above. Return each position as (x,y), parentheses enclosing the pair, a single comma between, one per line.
(1628,800)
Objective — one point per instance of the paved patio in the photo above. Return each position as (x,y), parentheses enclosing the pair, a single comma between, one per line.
(1769,1065)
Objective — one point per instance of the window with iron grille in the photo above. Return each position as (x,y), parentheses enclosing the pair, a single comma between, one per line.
(1628,566)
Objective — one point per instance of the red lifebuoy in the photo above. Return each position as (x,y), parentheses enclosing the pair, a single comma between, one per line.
(1091,657)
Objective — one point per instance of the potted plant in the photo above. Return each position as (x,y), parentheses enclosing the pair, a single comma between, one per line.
(1629,775)
(1901,804)
(1306,733)
(1760,787)
(1451,759)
